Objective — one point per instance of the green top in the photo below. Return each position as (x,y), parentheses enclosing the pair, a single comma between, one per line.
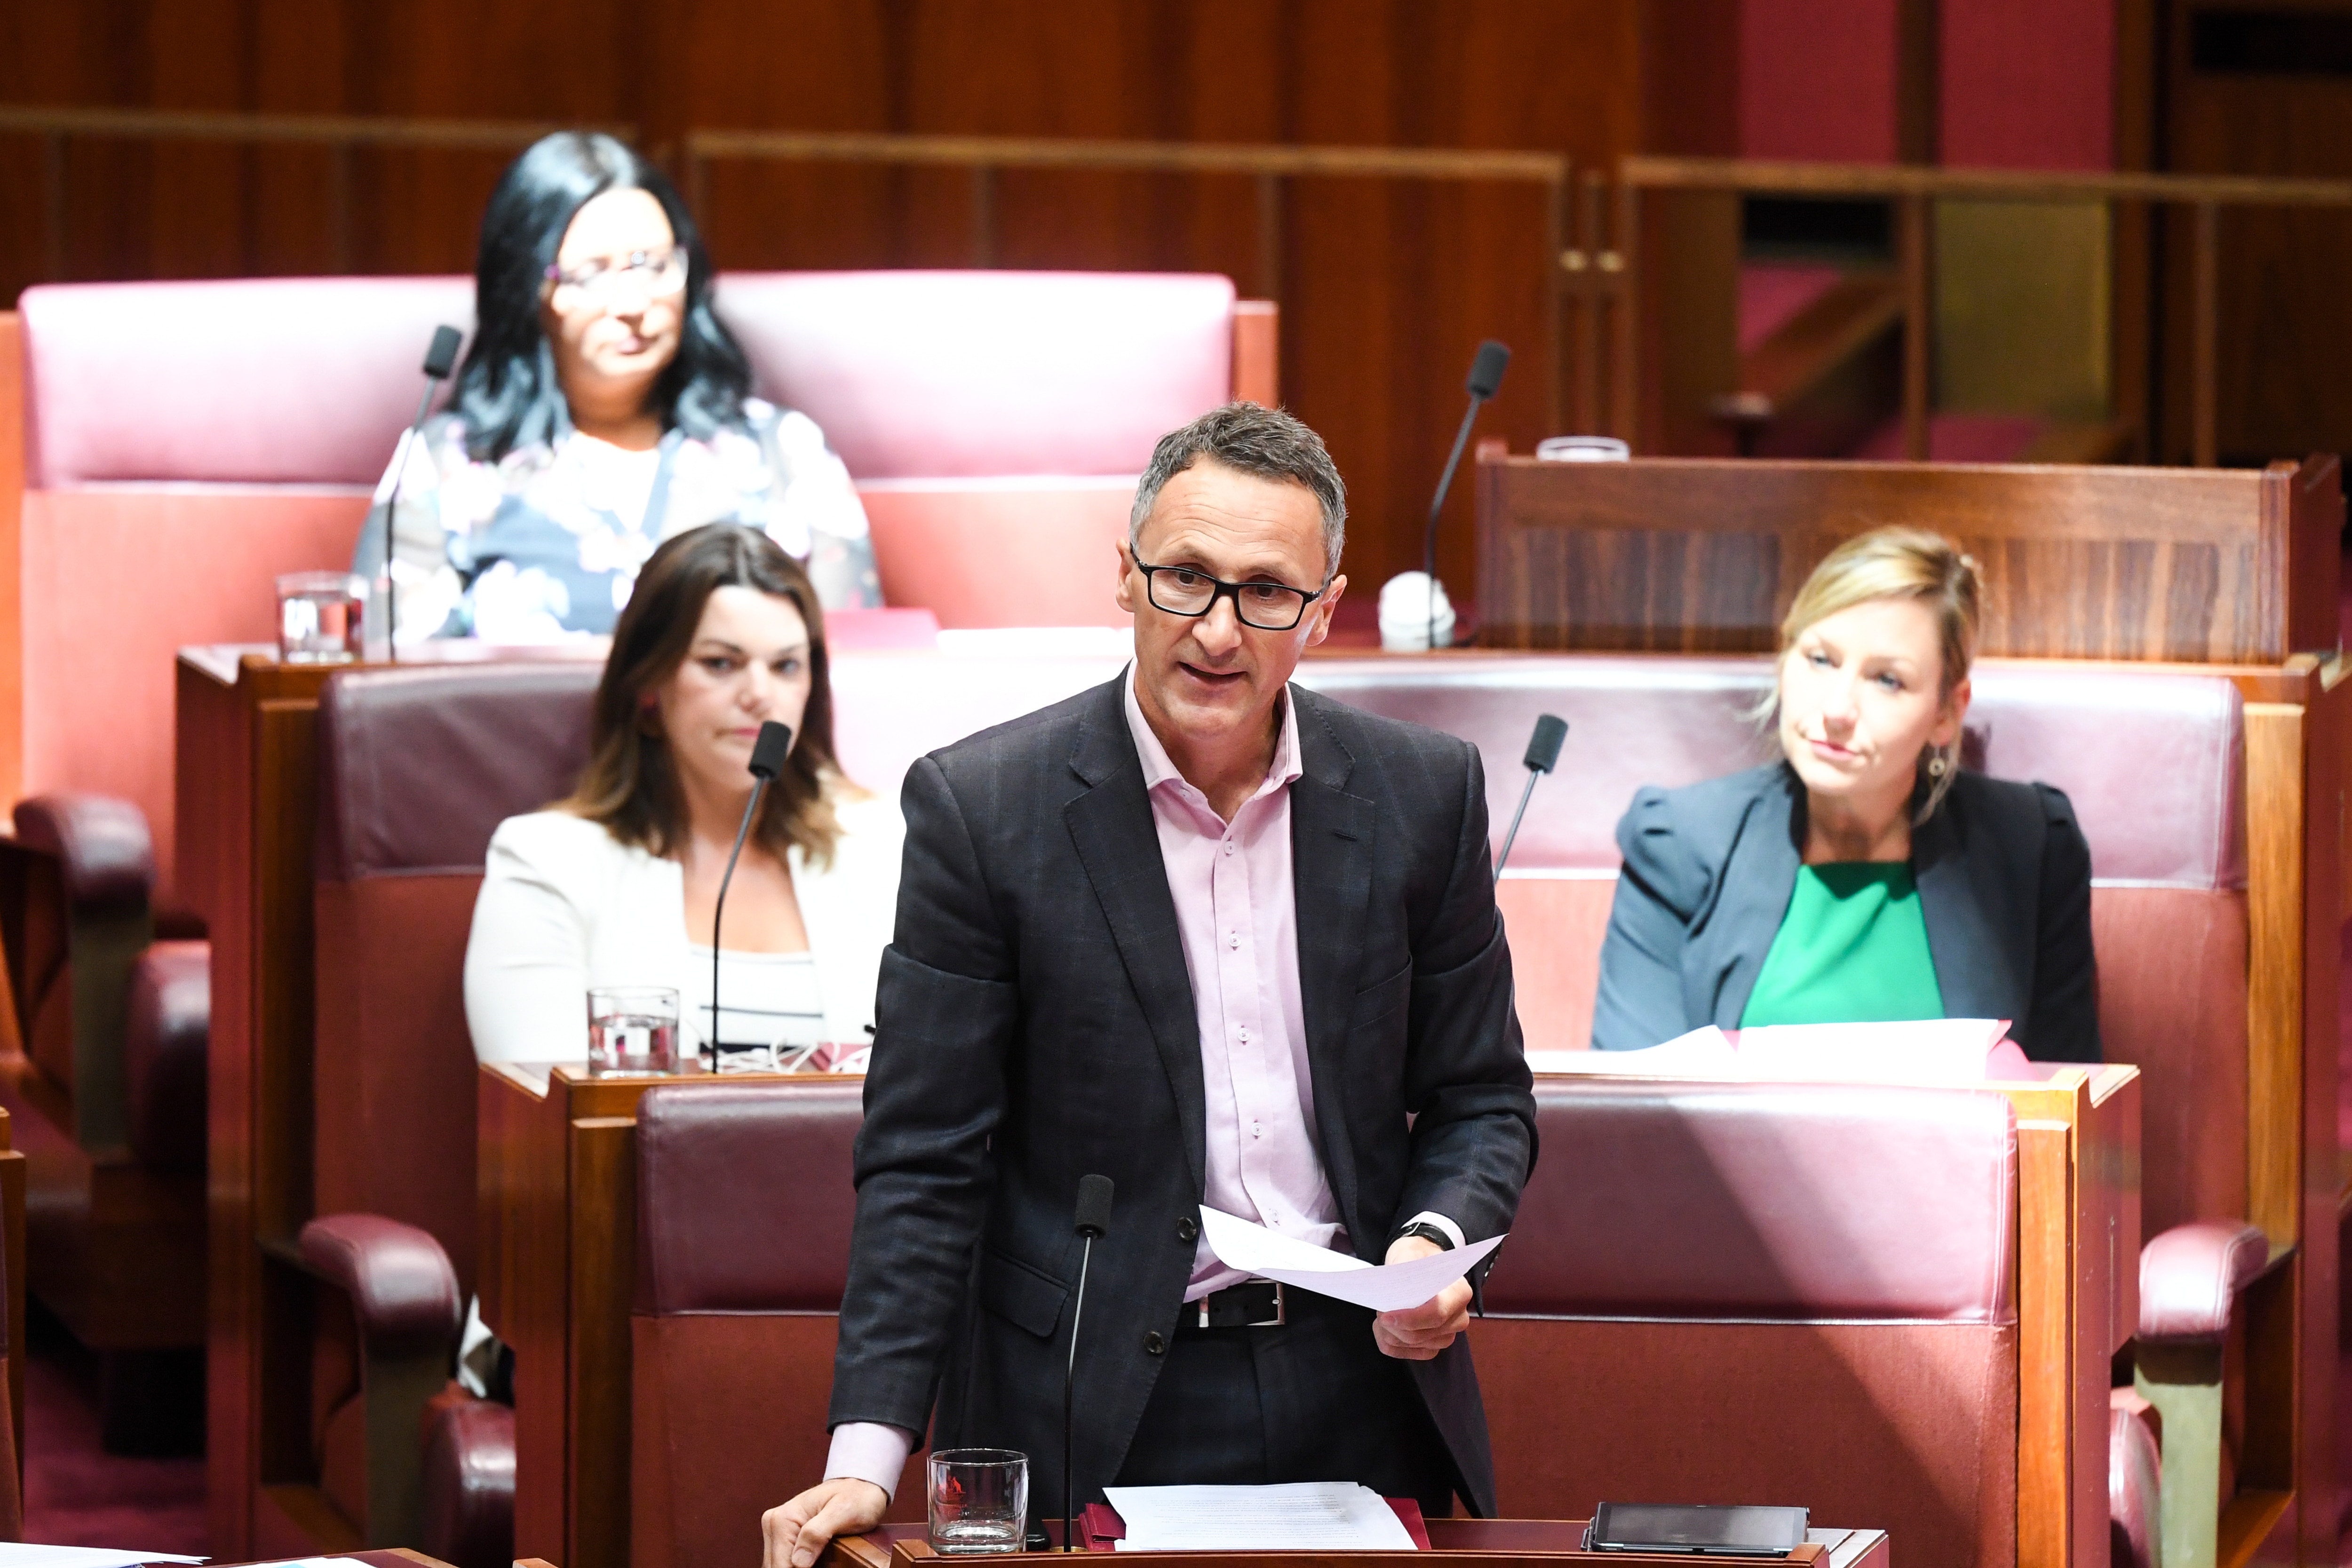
(1853,949)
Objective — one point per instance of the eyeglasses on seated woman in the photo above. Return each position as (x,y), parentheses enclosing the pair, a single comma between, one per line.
(602,407)
(1863,877)
(616,885)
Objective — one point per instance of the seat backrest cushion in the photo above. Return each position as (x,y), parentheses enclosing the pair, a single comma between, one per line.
(912,375)
(917,375)
(1740,1202)
(1764,1294)
(744,1206)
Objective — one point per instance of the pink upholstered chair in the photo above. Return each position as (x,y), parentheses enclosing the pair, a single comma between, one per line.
(187,441)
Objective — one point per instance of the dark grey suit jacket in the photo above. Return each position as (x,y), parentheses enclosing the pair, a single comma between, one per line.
(1035,1023)
(2004,880)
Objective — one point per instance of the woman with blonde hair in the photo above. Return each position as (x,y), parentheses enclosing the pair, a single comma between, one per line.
(617,885)
(1863,877)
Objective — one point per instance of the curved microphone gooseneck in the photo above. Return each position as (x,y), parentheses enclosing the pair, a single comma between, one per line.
(1092,1220)
(1543,756)
(1485,379)
(768,754)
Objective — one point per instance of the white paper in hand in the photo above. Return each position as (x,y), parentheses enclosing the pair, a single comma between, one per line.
(1383,1287)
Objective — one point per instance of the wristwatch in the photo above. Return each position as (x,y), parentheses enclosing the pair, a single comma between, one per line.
(1427,1232)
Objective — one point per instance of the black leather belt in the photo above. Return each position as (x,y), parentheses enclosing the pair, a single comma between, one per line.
(1252,1304)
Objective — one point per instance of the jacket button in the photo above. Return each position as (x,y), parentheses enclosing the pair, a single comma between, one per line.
(1155,1344)
(1188,1230)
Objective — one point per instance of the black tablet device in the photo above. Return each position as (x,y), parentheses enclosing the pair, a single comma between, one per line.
(1698,1530)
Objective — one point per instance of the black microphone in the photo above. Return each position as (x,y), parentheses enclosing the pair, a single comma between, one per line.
(1543,756)
(440,359)
(1485,379)
(1094,1218)
(768,754)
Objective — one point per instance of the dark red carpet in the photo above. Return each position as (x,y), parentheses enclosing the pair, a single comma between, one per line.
(77,1495)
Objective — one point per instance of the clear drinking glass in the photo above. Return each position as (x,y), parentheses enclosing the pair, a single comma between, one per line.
(979,1500)
(632,1029)
(320,616)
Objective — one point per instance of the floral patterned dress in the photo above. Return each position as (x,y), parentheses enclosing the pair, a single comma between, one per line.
(546,543)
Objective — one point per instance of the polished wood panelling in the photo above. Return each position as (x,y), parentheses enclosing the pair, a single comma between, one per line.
(1387,285)
(1703,556)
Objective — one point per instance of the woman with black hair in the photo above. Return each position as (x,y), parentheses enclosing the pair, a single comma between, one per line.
(602,408)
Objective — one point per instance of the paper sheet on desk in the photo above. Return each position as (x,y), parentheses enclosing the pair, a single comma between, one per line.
(22,1554)
(1382,1287)
(1301,1516)
(1932,1050)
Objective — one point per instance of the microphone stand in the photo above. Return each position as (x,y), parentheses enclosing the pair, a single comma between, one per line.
(1437,505)
(440,359)
(1069,1380)
(1543,756)
(768,754)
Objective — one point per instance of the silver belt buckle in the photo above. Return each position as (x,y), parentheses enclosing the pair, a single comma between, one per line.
(1281,1306)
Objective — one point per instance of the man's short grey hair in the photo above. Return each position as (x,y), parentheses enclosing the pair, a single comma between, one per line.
(1250,439)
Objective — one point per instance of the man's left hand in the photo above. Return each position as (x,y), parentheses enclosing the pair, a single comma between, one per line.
(1419,1332)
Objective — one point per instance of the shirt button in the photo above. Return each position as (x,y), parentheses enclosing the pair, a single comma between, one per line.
(1233,940)
(1155,1344)
(1246,1037)
(1229,845)
(1188,1230)
(1256,1131)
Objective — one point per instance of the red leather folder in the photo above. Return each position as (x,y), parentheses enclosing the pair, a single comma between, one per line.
(1101,1528)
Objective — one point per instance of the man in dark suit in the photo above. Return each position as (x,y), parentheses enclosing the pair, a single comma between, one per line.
(1229,943)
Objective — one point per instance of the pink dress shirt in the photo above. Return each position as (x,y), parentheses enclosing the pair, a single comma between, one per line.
(1237,917)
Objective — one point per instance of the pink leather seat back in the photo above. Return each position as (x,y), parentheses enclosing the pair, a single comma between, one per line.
(982,375)
(1764,1294)
(2154,764)
(744,1205)
(190,440)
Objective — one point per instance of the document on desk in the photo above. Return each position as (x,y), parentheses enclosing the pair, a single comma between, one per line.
(1382,1287)
(27,1554)
(1303,1516)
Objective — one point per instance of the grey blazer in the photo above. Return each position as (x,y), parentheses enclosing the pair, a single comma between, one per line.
(1036,1024)
(2004,880)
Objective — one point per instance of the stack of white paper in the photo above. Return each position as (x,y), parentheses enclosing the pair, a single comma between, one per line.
(1304,1516)
(1933,1050)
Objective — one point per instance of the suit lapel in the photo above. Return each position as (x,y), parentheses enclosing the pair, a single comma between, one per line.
(1758,880)
(1331,844)
(1111,826)
(1972,973)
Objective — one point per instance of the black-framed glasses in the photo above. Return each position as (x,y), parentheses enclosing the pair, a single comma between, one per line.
(1189,591)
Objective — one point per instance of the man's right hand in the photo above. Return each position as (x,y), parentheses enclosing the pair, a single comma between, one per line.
(797,1532)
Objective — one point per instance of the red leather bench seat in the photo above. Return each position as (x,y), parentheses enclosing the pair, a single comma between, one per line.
(2154,764)
(1764,1294)
(187,441)
(417,768)
(744,1207)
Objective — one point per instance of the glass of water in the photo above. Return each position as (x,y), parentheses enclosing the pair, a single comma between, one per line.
(320,616)
(979,1500)
(632,1029)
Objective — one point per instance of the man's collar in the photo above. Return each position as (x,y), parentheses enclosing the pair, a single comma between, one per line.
(1157,769)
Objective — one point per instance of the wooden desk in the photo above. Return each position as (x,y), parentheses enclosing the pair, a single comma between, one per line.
(557,1261)
(1453,1542)
(1695,555)
(2078,1229)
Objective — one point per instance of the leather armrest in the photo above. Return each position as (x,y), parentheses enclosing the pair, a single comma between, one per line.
(400,1282)
(2189,1276)
(469,1477)
(101,843)
(164,1044)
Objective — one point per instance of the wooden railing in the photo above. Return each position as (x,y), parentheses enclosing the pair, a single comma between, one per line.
(1914,192)
(337,135)
(1271,167)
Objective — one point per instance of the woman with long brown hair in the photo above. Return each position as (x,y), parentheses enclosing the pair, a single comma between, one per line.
(618,884)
